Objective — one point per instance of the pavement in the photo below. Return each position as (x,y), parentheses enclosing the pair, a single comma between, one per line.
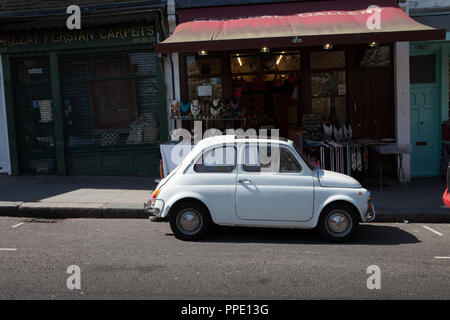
(74,196)
(139,259)
(123,197)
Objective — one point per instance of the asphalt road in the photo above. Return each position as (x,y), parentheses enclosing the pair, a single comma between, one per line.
(138,259)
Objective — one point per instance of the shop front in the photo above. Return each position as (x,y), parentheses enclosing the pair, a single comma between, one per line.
(314,71)
(85,102)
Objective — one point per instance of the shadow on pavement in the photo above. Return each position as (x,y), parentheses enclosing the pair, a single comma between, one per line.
(38,188)
(365,235)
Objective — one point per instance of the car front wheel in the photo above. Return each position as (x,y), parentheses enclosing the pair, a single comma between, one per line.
(338,223)
(190,221)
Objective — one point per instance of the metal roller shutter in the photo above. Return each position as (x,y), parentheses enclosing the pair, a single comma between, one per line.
(110,99)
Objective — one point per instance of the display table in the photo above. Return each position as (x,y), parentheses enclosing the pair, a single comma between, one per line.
(393,149)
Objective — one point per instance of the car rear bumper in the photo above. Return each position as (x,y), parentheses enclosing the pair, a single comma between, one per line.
(154,209)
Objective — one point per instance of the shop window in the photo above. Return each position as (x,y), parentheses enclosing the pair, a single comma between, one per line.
(265,63)
(327,59)
(374,57)
(422,69)
(110,100)
(199,66)
(32,70)
(204,78)
(267,88)
(328,85)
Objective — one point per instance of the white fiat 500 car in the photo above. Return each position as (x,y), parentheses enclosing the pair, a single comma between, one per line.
(232,181)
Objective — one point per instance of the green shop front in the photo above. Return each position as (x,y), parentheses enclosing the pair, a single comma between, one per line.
(84,102)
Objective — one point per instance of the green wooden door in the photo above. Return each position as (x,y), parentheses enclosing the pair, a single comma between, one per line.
(34,115)
(425,109)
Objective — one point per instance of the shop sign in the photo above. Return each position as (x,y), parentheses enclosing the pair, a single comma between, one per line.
(72,39)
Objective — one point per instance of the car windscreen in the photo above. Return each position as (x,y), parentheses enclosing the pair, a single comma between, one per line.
(305,160)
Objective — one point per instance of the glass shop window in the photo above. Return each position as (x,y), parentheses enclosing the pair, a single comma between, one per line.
(374,57)
(110,100)
(422,69)
(204,77)
(327,59)
(256,75)
(328,85)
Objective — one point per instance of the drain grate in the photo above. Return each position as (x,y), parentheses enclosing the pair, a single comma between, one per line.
(34,220)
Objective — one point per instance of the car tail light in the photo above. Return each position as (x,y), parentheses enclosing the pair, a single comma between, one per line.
(155,194)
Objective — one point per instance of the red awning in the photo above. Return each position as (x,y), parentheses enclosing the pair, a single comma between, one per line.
(294,24)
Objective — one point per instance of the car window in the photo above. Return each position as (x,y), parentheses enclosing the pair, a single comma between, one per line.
(269,159)
(217,160)
(257,159)
(288,163)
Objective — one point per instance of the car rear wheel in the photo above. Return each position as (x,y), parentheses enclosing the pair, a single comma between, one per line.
(338,223)
(190,221)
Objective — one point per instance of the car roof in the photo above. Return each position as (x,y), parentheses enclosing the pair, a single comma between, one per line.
(211,141)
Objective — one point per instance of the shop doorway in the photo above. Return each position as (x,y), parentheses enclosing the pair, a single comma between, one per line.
(424,101)
(372,112)
(4,146)
(34,115)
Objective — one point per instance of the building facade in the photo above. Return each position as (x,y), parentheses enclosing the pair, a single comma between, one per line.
(88,101)
(100,100)
(269,77)
(430,69)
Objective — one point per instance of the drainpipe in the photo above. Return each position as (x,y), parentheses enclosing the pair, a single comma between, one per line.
(173,59)
(402,99)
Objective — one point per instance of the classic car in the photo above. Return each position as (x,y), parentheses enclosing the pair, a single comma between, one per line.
(236,181)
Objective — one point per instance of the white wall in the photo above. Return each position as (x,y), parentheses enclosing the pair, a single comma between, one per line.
(402,104)
(5,166)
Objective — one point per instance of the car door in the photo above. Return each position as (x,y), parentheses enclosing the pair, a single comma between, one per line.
(213,177)
(272,185)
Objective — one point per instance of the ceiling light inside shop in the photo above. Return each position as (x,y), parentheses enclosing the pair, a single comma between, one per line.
(279,59)
(264,49)
(203,53)
(373,44)
(328,46)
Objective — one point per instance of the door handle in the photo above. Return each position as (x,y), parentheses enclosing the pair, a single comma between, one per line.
(244,181)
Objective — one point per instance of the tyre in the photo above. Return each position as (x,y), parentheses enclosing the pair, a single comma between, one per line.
(190,221)
(338,222)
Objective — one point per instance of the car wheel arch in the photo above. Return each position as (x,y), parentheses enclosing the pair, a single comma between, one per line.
(179,202)
(341,202)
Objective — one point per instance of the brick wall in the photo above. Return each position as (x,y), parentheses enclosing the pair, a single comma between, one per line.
(24,5)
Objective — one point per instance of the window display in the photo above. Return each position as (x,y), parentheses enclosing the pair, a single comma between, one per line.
(110,99)
(328,85)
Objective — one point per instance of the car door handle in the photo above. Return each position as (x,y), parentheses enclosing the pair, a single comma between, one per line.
(244,181)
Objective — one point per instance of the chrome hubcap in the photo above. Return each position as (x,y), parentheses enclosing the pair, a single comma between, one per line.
(189,221)
(339,222)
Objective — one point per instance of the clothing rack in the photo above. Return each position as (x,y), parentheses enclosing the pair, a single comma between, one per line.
(350,157)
